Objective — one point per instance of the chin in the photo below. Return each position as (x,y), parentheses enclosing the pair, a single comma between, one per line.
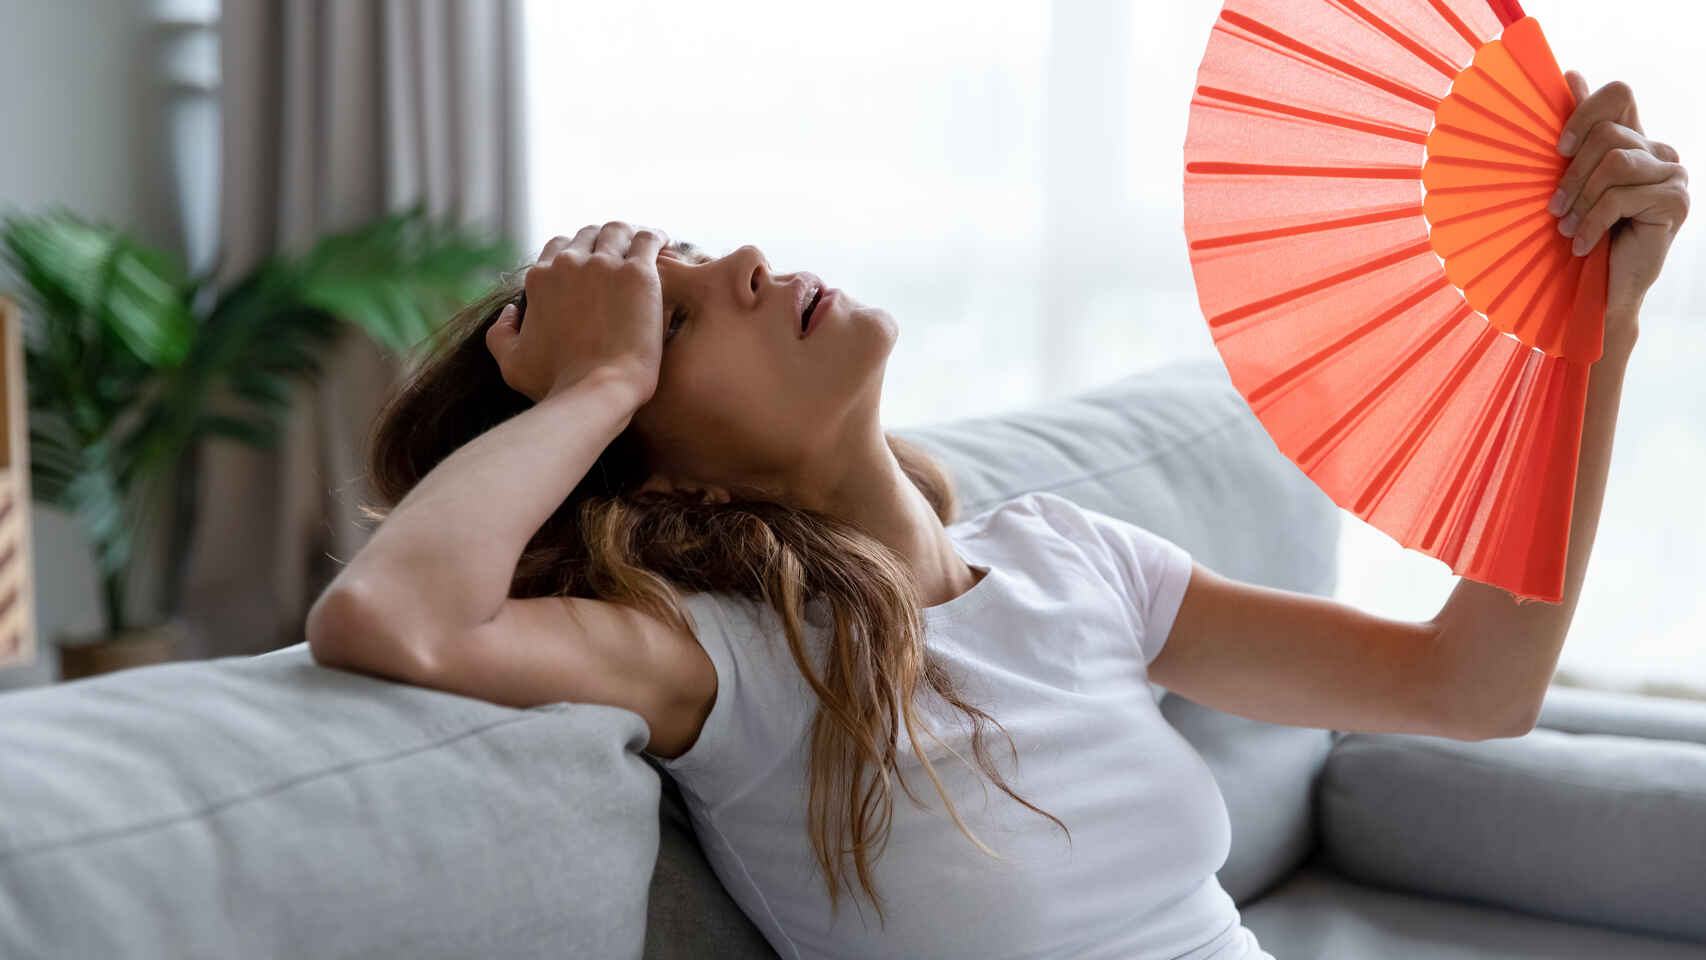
(884,321)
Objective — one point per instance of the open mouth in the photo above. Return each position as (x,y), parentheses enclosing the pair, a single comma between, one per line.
(806,316)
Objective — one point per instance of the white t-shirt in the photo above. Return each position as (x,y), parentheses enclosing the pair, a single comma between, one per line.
(1054,642)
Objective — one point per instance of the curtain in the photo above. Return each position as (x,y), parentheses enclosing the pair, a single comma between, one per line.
(333,112)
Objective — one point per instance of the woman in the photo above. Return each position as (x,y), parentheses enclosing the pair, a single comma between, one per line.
(644,477)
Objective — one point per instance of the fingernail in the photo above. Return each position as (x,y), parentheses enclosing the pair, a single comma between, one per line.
(1567,226)
(1580,246)
(1567,143)
(1556,207)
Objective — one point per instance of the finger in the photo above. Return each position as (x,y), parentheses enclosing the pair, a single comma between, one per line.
(614,239)
(584,237)
(1622,167)
(647,243)
(1664,151)
(502,333)
(1615,102)
(1659,203)
(1578,85)
(557,245)
(1604,139)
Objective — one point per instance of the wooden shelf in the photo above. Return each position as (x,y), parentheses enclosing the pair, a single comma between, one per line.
(17,594)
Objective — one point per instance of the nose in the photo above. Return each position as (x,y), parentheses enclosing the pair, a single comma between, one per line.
(758,270)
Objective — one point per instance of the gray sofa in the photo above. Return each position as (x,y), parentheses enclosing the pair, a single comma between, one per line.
(269,807)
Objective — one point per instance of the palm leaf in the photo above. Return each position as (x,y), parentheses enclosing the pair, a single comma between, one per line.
(119,289)
(129,362)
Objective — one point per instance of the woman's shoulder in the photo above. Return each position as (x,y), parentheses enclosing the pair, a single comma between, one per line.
(1052,508)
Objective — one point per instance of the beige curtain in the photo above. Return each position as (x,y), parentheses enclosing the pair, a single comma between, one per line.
(334,112)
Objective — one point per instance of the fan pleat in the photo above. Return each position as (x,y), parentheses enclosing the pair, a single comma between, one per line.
(1365,187)
(1206,94)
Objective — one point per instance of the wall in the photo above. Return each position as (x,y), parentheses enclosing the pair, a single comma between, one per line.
(80,117)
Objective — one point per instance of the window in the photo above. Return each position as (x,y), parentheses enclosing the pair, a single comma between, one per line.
(1005,178)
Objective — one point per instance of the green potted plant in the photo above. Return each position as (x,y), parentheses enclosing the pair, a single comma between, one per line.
(131,364)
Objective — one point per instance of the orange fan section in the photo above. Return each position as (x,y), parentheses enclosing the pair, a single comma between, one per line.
(1365,204)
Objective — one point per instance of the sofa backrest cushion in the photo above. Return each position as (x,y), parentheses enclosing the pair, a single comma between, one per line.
(1591,828)
(270,807)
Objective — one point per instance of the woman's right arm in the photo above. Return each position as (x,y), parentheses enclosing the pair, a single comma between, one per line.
(441,564)
(443,560)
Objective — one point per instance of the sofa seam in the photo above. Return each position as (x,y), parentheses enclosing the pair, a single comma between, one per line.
(116,833)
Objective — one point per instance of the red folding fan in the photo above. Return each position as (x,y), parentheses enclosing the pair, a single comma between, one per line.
(1365,201)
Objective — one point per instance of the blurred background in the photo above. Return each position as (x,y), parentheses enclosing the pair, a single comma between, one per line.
(1005,178)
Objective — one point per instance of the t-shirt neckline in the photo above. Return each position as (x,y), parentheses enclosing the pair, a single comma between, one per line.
(969,601)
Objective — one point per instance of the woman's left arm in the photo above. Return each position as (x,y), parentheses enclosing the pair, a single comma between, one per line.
(1633,190)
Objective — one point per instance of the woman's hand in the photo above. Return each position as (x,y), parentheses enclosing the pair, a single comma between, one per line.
(591,304)
(1623,184)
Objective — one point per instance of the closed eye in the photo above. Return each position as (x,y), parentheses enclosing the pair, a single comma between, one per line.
(678,318)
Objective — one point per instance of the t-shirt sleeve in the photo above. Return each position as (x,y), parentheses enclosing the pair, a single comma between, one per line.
(1149,571)
(762,702)
(712,631)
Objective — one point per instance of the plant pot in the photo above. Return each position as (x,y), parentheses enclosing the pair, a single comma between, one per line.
(88,655)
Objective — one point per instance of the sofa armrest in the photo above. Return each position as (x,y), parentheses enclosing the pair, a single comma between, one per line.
(1576,710)
(1593,828)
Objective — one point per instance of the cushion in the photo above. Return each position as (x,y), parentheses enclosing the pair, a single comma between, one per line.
(270,807)
(1592,828)
(1577,710)
(1319,915)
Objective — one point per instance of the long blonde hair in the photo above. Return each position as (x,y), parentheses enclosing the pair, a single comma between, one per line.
(612,541)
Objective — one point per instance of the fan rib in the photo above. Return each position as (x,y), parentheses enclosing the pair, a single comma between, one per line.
(1296,371)
(1445,68)
(1373,172)
(1501,445)
(1521,107)
(1476,164)
(1407,134)
(1503,122)
(1450,505)
(1484,187)
(1505,257)
(1335,434)
(1540,396)
(1483,211)
(1285,296)
(1450,255)
(1386,477)
(1527,68)
(1522,273)
(1234,239)
(1540,308)
(1462,29)
(1546,158)
(1508,11)
(1552,330)
(1401,90)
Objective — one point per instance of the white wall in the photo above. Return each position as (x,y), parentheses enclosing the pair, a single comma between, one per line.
(78,123)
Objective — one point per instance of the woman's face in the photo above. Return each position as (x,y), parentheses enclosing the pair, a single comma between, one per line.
(741,397)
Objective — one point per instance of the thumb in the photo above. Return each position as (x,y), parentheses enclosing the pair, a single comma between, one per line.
(1578,85)
(501,334)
